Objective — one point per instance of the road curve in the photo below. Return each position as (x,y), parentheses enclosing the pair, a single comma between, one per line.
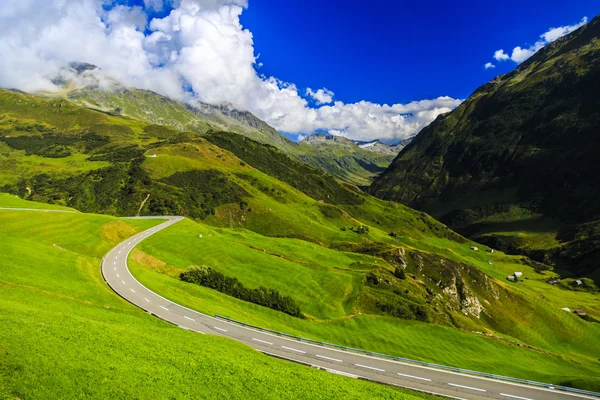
(352,365)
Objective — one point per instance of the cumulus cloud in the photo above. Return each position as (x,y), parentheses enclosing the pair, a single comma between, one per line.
(321,96)
(489,65)
(500,55)
(199,52)
(520,54)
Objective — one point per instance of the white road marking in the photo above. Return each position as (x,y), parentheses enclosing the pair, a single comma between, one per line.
(191,319)
(115,268)
(467,387)
(123,282)
(262,341)
(147,300)
(132,290)
(296,350)
(414,377)
(373,368)
(114,263)
(119,252)
(515,397)
(128,243)
(334,371)
(329,358)
(220,329)
(164,308)
(118,276)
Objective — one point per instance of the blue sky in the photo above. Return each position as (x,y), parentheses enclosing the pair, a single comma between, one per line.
(363,70)
(392,51)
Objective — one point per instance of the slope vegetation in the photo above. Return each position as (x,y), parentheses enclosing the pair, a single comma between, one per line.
(520,155)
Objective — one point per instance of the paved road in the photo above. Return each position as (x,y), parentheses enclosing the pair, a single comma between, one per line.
(450,384)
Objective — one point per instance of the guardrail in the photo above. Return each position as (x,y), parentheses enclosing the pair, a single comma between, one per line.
(408,360)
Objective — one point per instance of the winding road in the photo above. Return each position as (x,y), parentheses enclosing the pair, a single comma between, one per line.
(353,365)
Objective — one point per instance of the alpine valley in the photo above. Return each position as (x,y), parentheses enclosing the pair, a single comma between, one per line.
(337,233)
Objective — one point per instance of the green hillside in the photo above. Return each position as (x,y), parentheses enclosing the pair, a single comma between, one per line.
(344,159)
(349,163)
(65,334)
(515,166)
(365,272)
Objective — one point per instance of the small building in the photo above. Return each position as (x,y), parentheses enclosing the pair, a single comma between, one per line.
(578,282)
(580,312)
(491,251)
(151,155)
(515,277)
(567,309)
(474,248)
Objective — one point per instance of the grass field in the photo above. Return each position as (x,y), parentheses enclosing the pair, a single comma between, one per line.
(328,286)
(65,334)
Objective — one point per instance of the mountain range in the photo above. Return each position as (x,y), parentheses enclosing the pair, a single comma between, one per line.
(86,85)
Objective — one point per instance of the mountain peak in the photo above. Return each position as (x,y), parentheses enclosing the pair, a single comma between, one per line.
(81,67)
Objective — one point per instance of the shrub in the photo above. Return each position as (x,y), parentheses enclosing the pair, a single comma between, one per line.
(399,273)
(262,296)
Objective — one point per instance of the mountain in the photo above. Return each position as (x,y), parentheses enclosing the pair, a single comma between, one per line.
(86,85)
(516,165)
(382,148)
(344,159)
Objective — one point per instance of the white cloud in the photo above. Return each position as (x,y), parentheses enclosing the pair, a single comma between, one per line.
(520,54)
(500,55)
(321,96)
(555,33)
(489,65)
(154,4)
(198,52)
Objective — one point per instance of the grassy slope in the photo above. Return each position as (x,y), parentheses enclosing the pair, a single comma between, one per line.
(309,272)
(351,164)
(65,334)
(526,140)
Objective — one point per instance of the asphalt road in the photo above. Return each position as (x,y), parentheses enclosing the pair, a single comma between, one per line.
(352,365)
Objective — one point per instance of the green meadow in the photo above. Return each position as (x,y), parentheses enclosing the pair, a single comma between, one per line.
(328,285)
(65,334)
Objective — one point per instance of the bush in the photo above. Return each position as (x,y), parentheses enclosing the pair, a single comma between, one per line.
(362,229)
(399,273)
(405,311)
(262,296)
